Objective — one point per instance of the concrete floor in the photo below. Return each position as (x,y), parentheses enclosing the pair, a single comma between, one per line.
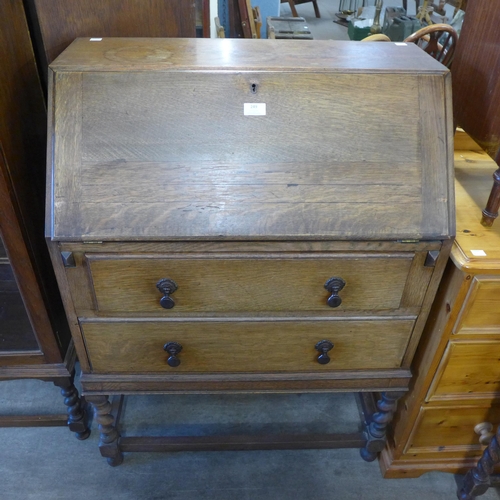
(50,464)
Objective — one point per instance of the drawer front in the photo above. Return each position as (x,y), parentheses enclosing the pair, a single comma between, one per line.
(246,346)
(442,429)
(227,283)
(468,369)
(481,310)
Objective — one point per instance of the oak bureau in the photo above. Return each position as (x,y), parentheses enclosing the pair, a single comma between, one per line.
(248,216)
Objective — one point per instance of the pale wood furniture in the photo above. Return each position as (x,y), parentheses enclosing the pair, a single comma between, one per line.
(457,370)
(203,245)
(35,341)
(476,90)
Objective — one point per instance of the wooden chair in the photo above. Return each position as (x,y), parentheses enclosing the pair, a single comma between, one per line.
(293,3)
(378,37)
(219,29)
(431,40)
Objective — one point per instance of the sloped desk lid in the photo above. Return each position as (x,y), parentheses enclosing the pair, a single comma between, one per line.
(154,139)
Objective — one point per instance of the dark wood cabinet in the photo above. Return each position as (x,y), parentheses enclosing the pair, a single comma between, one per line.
(34,335)
(56,23)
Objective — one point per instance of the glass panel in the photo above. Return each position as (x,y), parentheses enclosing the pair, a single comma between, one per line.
(16,333)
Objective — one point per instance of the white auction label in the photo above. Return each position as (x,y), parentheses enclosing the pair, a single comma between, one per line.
(254,108)
(478,253)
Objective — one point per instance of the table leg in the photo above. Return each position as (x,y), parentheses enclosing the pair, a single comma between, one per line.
(376,426)
(109,444)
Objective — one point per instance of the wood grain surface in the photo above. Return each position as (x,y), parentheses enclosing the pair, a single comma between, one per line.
(60,22)
(443,429)
(473,172)
(468,369)
(166,151)
(230,283)
(245,346)
(480,313)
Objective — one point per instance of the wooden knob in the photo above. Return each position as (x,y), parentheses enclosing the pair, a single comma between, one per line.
(334,285)
(167,287)
(173,348)
(323,346)
(484,430)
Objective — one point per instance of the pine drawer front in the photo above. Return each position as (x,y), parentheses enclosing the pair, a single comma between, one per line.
(481,311)
(451,428)
(468,370)
(230,283)
(246,346)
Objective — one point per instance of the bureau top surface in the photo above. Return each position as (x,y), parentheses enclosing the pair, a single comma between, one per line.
(170,54)
(158,139)
(476,248)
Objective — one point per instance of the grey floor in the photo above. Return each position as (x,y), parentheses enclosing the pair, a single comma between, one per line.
(50,464)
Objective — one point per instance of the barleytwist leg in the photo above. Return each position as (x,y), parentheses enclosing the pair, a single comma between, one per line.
(477,480)
(376,429)
(77,414)
(109,436)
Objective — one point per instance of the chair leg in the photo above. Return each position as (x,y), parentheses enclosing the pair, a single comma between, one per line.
(490,213)
(316,8)
(292,8)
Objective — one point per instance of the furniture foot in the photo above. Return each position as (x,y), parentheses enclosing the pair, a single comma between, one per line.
(490,213)
(376,426)
(77,414)
(477,480)
(109,436)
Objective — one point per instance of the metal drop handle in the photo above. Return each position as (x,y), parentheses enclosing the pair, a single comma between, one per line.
(323,346)
(167,287)
(334,285)
(173,348)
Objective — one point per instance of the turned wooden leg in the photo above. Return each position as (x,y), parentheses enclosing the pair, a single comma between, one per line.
(109,437)
(477,480)
(292,8)
(77,414)
(490,213)
(376,429)
(316,8)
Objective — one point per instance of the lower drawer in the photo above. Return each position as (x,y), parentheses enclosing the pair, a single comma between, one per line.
(245,346)
(451,428)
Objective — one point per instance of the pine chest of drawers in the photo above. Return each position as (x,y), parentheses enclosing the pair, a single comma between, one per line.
(245,215)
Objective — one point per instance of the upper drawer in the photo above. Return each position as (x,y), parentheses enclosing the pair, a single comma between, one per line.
(235,283)
(468,370)
(481,310)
